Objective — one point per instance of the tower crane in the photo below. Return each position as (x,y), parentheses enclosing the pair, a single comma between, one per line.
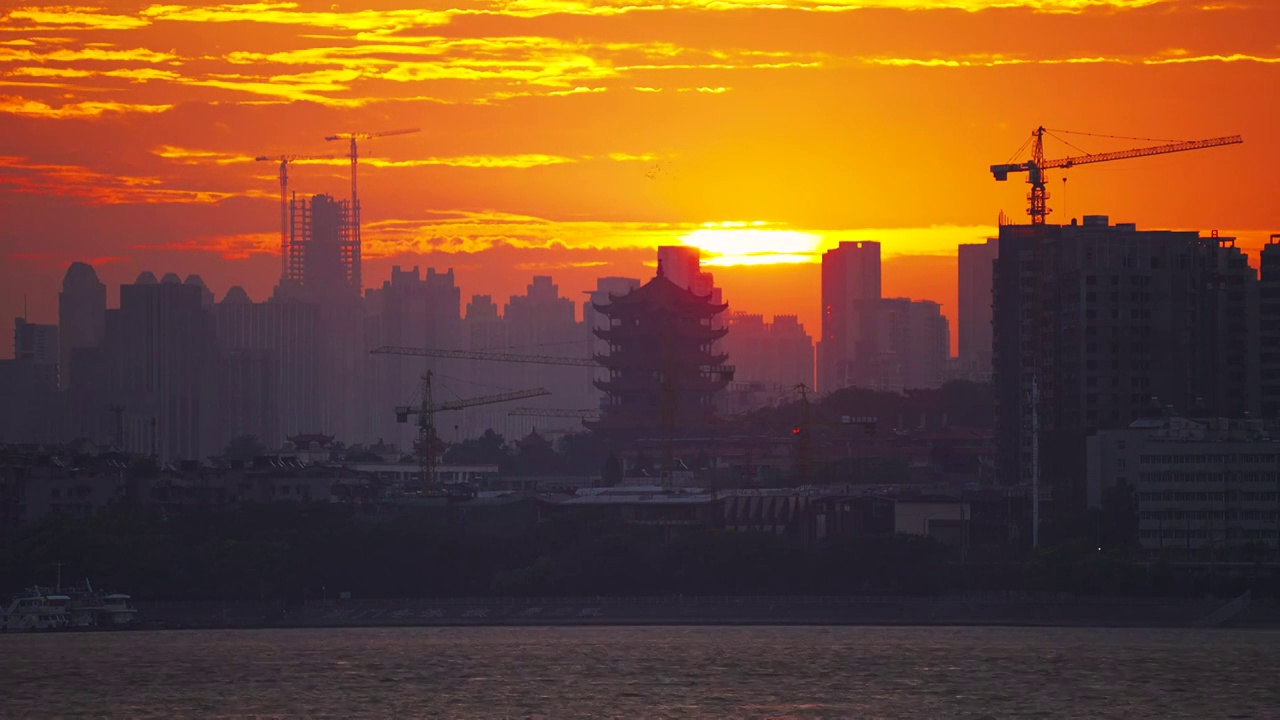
(426,418)
(724,370)
(284,198)
(355,202)
(1036,166)
(664,375)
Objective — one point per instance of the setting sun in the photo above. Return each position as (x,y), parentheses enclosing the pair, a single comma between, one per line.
(740,243)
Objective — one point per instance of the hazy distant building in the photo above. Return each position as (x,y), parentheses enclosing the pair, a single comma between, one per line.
(35,342)
(975,262)
(1104,317)
(682,265)
(850,299)
(913,342)
(162,347)
(28,395)
(770,361)
(250,395)
(411,310)
(29,407)
(1269,328)
(778,353)
(483,325)
(541,322)
(82,315)
(282,335)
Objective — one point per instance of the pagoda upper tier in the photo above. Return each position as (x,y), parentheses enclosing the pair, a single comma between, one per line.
(660,296)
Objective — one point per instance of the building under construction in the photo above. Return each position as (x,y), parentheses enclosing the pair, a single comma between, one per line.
(663,372)
(324,249)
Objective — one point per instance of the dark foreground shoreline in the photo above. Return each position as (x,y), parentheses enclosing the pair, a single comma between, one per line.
(740,611)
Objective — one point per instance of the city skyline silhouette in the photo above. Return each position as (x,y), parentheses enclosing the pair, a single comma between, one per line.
(626,133)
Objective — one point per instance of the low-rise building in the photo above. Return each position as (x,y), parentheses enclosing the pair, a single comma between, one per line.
(1206,488)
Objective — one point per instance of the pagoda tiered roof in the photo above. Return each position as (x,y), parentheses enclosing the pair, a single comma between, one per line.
(661,360)
(655,362)
(685,330)
(658,295)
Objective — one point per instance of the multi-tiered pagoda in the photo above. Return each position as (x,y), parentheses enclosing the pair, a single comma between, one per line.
(663,372)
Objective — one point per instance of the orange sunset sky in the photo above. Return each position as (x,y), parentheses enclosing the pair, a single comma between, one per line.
(571,137)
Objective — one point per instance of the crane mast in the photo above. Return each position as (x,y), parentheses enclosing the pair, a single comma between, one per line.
(1035,167)
(353,153)
(284,201)
(426,418)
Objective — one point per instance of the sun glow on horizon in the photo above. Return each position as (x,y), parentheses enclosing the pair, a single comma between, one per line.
(736,243)
(740,243)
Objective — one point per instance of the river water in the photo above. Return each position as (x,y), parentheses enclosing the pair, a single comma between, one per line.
(644,672)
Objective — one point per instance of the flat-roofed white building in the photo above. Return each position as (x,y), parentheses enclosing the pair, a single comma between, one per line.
(1206,488)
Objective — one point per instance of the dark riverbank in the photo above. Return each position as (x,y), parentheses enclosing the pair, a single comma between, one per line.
(1073,612)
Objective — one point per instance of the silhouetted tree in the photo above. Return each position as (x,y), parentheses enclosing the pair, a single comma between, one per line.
(536,456)
(244,448)
(583,452)
(488,449)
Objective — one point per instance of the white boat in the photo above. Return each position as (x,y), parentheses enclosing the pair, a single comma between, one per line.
(116,611)
(75,608)
(91,608)
(36,609)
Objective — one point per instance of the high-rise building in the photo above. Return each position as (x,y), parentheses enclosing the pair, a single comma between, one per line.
(412,310)
(82,316)
(29,411)
(541,322)
(324,255)
(974,309)
(1103,318)
(913,344)
(682,265)
(35,342)
(250,395)
(1269,328)
(850,301)
(484,327)
(280,336)
(778,353)
(162,346)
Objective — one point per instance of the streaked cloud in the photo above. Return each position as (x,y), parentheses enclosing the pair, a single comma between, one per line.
(22,106)
(228,247)
(395,20)
(21,175)
(966,61)
(188,156)
(71,17)
(92,54)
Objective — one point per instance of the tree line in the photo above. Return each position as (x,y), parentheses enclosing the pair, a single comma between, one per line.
(289,551)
